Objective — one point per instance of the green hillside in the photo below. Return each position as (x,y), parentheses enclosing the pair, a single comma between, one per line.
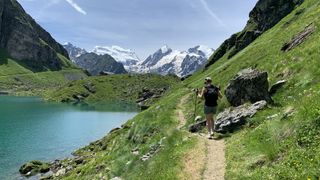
(124,87)
(280,142)
(17,79)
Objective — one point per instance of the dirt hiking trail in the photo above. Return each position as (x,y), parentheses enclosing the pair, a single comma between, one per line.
(207,160)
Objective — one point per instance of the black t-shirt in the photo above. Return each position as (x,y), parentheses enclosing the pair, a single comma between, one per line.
(211,96)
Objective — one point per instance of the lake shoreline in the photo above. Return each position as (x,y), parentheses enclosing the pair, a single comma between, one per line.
(61,166)
(55,131)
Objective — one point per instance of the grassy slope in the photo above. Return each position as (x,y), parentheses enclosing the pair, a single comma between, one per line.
(281,148)
(116,87)
(19,80)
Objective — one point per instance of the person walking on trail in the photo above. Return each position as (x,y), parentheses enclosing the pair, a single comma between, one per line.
(210,94)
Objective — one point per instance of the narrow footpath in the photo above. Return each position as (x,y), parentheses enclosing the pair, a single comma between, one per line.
(209,164)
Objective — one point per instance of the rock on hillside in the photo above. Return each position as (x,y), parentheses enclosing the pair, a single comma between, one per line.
(249,85)
(27,42)
(232,118)
(95,64)
(264,16)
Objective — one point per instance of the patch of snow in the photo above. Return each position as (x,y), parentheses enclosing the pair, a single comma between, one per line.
(208,51)
(164,49)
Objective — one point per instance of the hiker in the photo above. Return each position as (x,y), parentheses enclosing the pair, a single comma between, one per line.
(210,94)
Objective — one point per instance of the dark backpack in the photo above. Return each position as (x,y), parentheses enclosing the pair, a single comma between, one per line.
(212,95)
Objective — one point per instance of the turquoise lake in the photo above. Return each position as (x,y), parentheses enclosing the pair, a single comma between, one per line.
(31,129)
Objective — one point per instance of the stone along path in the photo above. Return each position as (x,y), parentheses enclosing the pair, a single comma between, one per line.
(208,159)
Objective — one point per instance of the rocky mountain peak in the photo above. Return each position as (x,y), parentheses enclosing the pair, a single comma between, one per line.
(26,41)
(154,58)
(74,51)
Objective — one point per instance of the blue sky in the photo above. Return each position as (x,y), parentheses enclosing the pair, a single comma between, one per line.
(141,25)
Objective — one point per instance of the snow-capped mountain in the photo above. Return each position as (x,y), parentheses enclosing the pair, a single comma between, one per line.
(153,59)
(73,51)
(92,62)
(168,61)
(126,56)
(164,61)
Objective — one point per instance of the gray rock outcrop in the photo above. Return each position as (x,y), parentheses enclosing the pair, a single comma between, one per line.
(232,118)
(299,38)
(249,85)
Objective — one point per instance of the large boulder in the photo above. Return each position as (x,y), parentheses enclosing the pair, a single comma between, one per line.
(232,118)
(249,85)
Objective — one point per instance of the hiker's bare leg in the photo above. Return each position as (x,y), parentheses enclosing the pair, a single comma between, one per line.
(209,118)
(213,120)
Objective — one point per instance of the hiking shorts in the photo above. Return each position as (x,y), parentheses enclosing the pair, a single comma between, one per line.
(210,109)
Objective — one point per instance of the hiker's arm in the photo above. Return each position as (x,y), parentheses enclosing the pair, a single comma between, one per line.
(201,95)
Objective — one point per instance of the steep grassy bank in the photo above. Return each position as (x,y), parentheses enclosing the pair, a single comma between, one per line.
(281,142)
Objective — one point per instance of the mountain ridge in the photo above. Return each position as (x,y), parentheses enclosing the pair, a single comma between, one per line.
(27,42)
(164,61)
(126,56)
(99,64)
(182,63)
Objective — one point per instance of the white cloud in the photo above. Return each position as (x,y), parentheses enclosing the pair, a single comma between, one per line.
(211,13)
(76,7)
